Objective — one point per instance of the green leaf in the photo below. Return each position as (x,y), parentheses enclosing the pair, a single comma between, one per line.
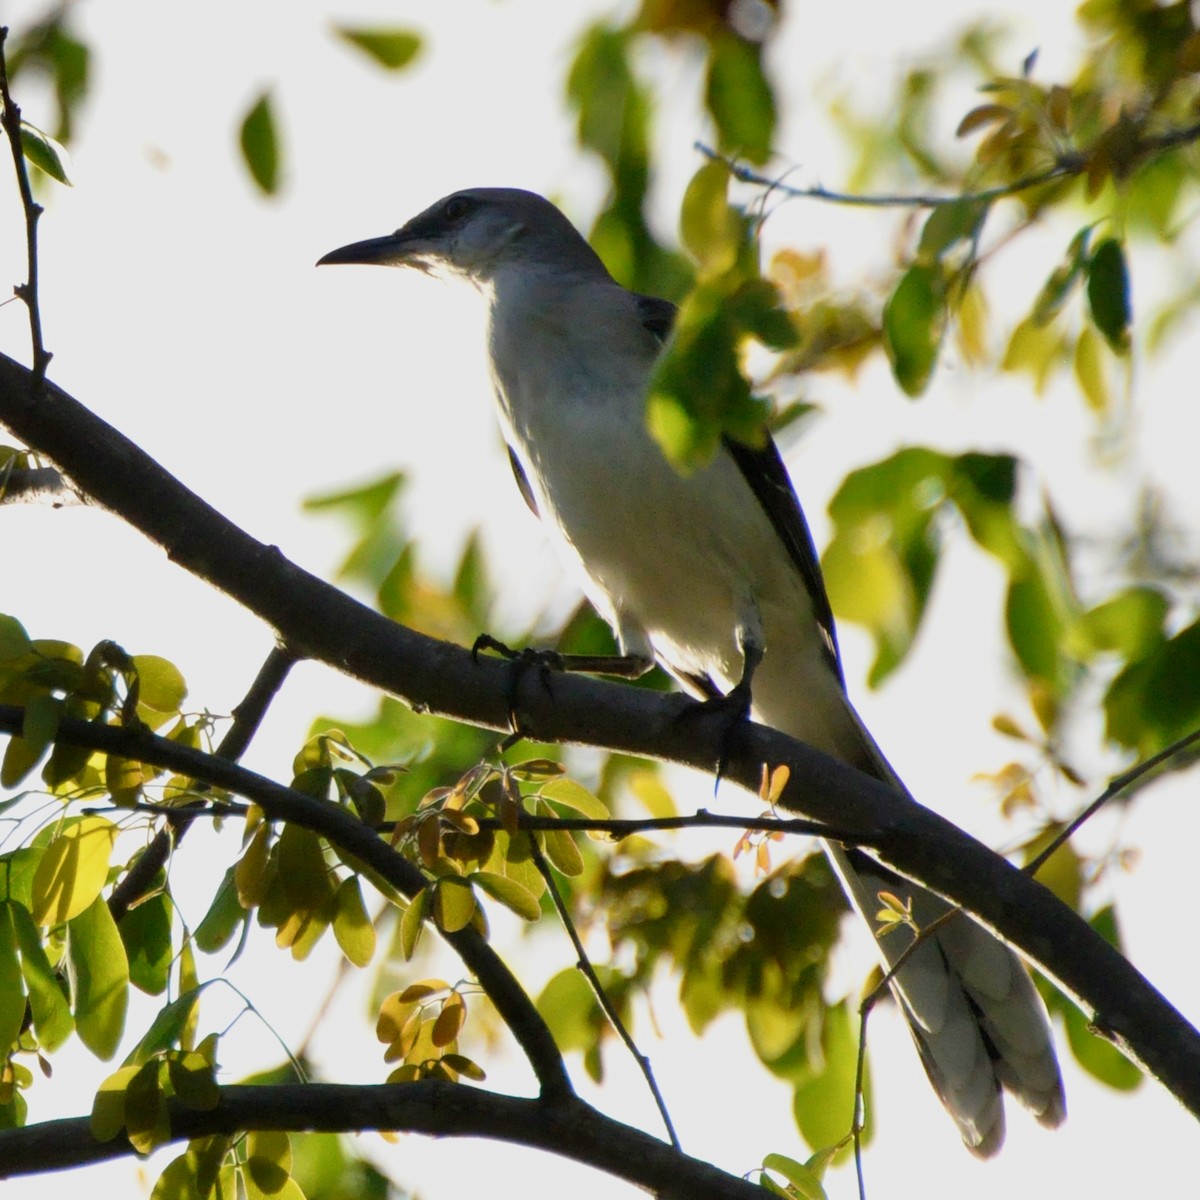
(914,319)
(949,224)
(823,1102)
(740,98)
(1034,626)
(225,914)
(1108,293)
(259,141)
(509,893)
(14,641)
(1154,700)
(101,973)
(45,153)
(351,924)
(146,932)
(38,730)
(73,870)
(391,49)
(1057,289)
(1129,624)
(52,1020)
(12,987)
(168,1028)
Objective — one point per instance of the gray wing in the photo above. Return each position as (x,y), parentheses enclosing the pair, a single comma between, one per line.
(768,479)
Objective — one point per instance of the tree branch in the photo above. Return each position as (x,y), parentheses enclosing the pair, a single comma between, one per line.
(567,1127)
(320,622)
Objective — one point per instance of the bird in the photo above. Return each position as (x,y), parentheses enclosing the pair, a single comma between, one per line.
(715,576)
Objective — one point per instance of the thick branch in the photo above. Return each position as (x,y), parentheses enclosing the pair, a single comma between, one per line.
(319,622)
(567,1127)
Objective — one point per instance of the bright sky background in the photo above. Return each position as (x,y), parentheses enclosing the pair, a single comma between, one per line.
(186,311)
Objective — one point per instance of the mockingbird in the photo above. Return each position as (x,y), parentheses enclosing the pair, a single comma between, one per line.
(714,575)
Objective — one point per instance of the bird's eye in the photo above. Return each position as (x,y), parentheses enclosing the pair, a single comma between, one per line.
(456,208)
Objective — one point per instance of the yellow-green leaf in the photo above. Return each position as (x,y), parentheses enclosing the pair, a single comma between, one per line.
(101,971)
(269,1159)
(161,688)
(562,851)
(508,892)
(575,796)
(146,1121)
(710,229)
(1090,370)
(804,1182)
(73,870)
(351,925)
(193,1080)
(108,1107)
(454,903)
(413,922)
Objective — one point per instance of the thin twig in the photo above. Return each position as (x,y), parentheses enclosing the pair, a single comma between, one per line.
(247,717)
(1115,787)
(10,120)
(589,973)
(864,1012)
(1064,165)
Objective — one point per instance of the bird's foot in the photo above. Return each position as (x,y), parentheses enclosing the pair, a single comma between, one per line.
(523,661)
(732,709)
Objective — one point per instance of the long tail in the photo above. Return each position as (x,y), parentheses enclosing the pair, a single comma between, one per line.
(974,1013)
(978,1022)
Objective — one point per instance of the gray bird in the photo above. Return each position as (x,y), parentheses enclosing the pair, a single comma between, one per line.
(713,575)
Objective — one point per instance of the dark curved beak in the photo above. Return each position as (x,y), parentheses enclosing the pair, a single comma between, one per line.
(393,250)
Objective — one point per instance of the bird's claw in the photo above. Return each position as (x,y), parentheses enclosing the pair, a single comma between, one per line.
(523,660)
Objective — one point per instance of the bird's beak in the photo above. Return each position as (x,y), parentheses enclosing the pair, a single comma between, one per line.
(399,249)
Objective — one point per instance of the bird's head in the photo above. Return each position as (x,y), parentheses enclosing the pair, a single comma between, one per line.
(474,233)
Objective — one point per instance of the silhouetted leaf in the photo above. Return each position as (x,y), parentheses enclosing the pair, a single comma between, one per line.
(392,49)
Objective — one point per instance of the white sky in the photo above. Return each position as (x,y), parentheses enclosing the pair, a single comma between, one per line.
(186,311)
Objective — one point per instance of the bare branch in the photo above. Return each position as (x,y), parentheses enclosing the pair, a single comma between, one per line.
(10,120)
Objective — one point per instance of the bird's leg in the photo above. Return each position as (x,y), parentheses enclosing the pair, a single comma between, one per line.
(734,705)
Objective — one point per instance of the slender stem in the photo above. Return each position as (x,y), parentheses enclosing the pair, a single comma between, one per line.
(584,963)
(1115,787)
(10,120)
(247,717)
